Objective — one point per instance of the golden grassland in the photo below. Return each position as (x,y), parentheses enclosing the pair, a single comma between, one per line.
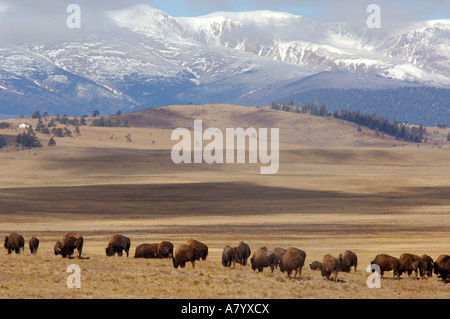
(337,189)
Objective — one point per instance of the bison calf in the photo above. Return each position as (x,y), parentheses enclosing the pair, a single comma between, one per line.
(229,256)
(316,265)
(117,244)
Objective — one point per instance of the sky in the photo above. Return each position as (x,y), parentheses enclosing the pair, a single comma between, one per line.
(318,10)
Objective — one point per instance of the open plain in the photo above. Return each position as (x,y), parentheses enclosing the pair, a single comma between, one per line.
(338,188)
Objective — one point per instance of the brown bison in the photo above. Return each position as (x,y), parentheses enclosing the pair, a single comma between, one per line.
(316,265)
(34,245)
(330,266)
(243,252)
(278,252)
(117,244)
(146,251)
(229,256)
(409,263)
(293,259)
(427,266)
(14,242)
(165,249)
(183,254)
(201,250)
(442,267)
(69,243)
(348,261)
(386,263)
(263,258)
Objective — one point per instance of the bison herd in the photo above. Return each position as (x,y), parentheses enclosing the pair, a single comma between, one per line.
(288,260)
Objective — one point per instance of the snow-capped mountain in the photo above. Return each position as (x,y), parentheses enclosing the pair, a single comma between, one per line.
(141,57)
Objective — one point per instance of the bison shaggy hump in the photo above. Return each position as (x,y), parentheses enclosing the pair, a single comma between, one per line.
(293,259)
(117,244)
(146,251)
(183,254)
(409,263)
(34,245)
(201,250)
(14,242)
(330,266)
(243,252)
(165,249)
(442,267)
(263,258)
(386,263)
(69,243)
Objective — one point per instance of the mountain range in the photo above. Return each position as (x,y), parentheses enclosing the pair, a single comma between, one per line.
(140,57)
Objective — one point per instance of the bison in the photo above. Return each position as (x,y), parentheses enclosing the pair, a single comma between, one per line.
(57,248)
(263,258)
(165,249)
(293,259)
(427,266)
(316,265)
(146,251)
(117,244)
(330,266)
(183,254)
(14,242)
(279,252)
(229,256)
(201,250)
(34,245)
(69,243)
(348,261)
(442,267)
(409,263)
(243,252)
(387,263)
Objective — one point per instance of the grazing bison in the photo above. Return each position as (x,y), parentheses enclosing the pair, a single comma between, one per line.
(293,259)
(243,252)
(409,263)
(69,243)
(57,248)
(427,266)
(348,261)
(316,265)
(263,258)
(146,251)
(34,245)
(201,250)
(387,263)
(183,254)
(330,266)
(165,249)
(117,244)
(442,267)
(229,256)
(279,252)
(14,242)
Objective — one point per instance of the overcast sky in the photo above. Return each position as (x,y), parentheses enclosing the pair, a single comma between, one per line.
(320,10)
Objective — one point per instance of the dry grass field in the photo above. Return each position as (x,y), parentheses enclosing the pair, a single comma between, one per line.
(336,189)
